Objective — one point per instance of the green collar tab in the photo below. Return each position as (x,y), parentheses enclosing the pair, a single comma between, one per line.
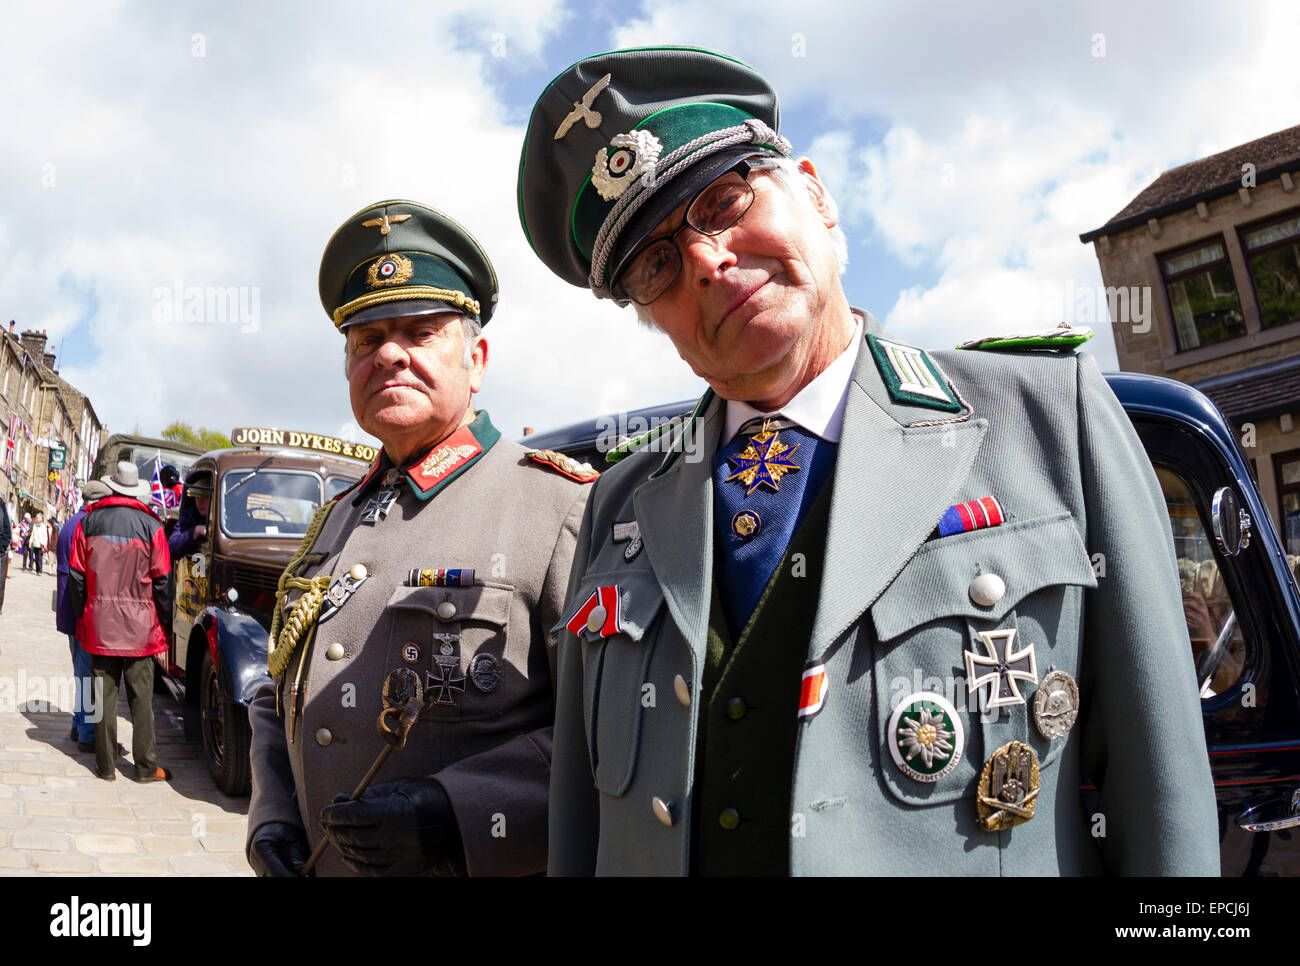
(911,376)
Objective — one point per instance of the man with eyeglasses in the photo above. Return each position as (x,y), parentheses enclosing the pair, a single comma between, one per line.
(849,616)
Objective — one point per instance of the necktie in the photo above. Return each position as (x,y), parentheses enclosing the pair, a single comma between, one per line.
(764,482)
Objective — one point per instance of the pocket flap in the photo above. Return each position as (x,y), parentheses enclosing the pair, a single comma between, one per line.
(1028,555)
(485,603)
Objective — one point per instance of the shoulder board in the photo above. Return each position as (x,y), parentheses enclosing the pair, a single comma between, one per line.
(564,465)
(1063,338)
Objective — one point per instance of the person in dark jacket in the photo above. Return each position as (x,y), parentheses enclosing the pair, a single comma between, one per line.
(83,729)
(192,527)
(24,532)
(119,574)
(6,537)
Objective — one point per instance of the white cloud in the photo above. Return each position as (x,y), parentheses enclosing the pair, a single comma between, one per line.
(232,169)
(128,163)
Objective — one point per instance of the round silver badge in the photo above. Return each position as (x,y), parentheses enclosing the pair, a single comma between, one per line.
(925,736)
(1056,704)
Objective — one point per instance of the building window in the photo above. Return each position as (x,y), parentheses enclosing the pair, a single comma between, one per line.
(1202,295)
(1273,257)
(1288,495)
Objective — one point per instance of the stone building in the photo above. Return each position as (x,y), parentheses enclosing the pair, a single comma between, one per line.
(40,412)
(1215,247)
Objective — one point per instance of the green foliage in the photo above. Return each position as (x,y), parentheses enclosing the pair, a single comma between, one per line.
(206,438)
(213,440)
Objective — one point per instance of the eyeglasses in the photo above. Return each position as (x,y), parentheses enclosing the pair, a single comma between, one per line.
(719,205)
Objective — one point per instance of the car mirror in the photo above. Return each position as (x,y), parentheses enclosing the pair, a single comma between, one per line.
(1272,816)
(1231,524)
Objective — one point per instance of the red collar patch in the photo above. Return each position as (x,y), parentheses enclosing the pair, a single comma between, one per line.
(443,460)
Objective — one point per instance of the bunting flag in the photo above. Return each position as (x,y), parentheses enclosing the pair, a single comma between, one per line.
(10,444)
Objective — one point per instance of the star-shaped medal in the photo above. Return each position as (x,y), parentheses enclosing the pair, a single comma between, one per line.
(763,462)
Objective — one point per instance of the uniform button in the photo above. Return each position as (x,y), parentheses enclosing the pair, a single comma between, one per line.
(681,690)
(663,810)
(987,589)
(334,652)
(596,619)
(736,709)
(323,737)
(446,610)
(358,572)
(729,819)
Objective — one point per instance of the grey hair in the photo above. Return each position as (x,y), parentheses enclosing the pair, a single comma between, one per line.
(786,172)
(472,331)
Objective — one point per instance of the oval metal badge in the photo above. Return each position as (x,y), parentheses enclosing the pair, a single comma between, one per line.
(926,736)
(1056,705)
(485,672)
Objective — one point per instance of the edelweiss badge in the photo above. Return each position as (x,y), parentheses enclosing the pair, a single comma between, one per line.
(626,158)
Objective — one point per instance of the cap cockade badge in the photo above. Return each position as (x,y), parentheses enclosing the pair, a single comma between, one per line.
(626,158)
(389,270)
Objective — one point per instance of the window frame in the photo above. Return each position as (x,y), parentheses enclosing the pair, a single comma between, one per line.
(1246,254)
(1291,455)
(1166,280)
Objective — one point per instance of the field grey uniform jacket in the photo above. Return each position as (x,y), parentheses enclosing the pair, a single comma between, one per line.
(514,522)
(1088,560)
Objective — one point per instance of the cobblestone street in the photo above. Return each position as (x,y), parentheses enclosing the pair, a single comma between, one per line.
(56,816)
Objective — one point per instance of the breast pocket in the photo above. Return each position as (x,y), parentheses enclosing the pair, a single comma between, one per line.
(458,640)
(616,652)
(979,619)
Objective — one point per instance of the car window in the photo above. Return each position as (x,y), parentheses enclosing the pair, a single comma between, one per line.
(336,485)
(268,502)
(1218,645)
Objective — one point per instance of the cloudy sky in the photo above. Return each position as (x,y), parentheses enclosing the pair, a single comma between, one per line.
(151,146)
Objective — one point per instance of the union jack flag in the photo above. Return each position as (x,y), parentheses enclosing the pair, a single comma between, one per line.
(157,496)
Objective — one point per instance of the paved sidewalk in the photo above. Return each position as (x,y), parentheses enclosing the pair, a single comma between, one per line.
(56,816)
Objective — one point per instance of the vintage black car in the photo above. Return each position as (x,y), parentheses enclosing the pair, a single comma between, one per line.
(260,501)
(1239,594)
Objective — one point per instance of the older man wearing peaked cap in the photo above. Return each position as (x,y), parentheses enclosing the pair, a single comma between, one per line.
(425,594)
(751,638)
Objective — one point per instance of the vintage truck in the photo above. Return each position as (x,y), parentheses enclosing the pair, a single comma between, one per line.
(260,497)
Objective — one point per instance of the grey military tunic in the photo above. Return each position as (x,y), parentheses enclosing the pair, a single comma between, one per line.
(1086,556)
(488,657)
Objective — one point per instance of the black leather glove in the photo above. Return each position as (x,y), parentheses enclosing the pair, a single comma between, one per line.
(278,848)
(402,827)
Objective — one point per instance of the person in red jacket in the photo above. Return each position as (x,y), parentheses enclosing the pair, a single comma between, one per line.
(118,576)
